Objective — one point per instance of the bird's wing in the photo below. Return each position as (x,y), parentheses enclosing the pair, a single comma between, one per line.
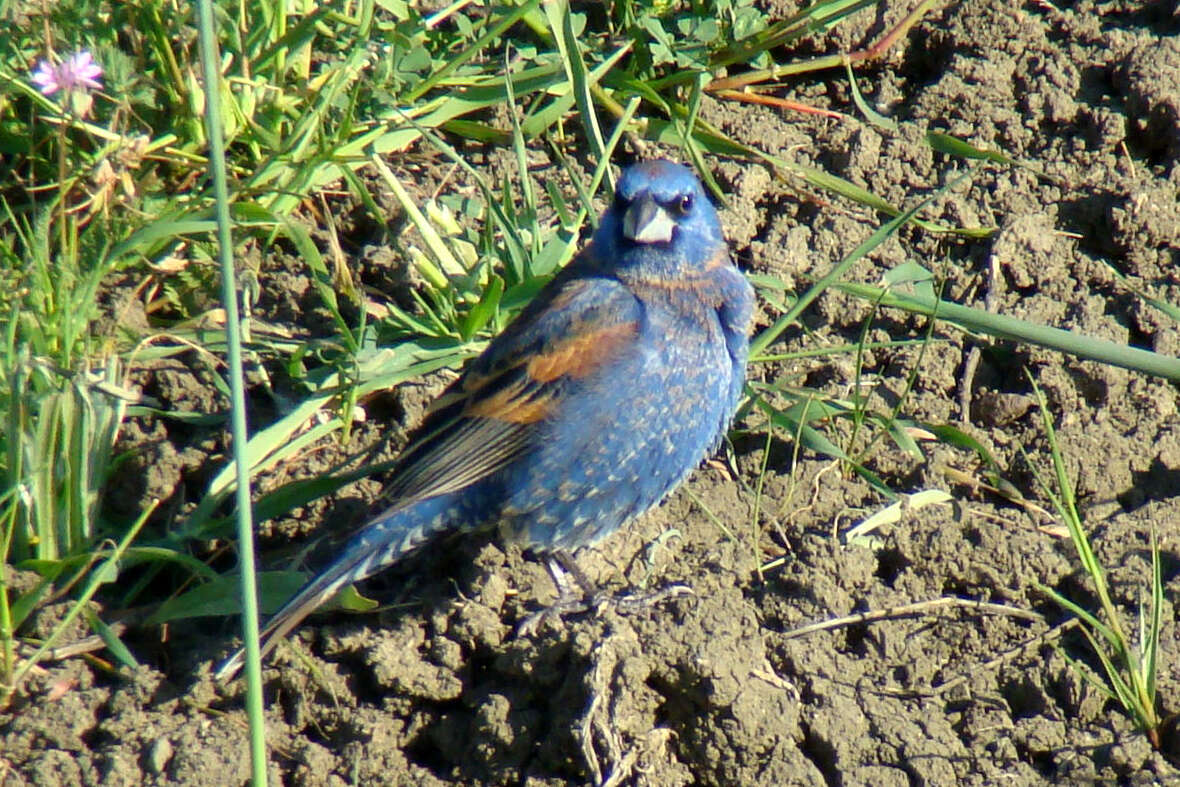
(497,409)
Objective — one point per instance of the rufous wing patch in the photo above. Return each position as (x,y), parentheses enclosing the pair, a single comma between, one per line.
(517,403)
(581,355)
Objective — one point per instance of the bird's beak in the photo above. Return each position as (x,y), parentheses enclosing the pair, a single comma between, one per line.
(646,221)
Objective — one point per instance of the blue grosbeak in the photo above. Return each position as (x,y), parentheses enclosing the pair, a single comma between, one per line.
(594,404)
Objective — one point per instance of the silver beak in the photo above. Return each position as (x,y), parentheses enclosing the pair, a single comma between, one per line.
(646,221)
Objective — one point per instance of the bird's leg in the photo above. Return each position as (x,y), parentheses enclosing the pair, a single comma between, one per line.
(562,566)
(575,592)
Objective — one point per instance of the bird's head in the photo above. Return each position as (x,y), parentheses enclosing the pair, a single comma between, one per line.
(660,212)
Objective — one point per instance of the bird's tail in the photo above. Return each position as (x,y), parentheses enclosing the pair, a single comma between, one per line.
(380,543)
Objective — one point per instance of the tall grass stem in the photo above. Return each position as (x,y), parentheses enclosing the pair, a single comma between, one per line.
(209,63)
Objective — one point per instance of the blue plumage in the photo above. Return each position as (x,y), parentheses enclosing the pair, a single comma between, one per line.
(596,402)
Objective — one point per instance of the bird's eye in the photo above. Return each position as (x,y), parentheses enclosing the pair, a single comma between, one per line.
(684,204)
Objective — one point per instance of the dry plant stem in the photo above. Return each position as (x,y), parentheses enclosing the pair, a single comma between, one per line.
(82,646)
(749,96)
(970,366)
(1006,656)
(991,303)
(977,485)
(917,608)
(831,61)
(638,146)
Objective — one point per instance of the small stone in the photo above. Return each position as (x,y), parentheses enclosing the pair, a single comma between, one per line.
(159,755)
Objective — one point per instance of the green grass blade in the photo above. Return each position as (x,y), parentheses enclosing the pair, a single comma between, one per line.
(1010,328)
(496,30)
(103,574)
(210,62)
(561,24)
(771,334)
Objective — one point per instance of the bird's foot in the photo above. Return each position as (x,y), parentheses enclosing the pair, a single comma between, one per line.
(554,612)
(575,593)
(580,595)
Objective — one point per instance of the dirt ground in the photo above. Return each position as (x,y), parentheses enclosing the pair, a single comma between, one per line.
(719,687)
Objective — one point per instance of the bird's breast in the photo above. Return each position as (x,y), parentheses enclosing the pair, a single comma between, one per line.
(627,434)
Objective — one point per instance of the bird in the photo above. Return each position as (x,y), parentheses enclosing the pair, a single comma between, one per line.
(599,399)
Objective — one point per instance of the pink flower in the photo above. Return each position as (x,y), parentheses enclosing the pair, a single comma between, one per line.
(78,72)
